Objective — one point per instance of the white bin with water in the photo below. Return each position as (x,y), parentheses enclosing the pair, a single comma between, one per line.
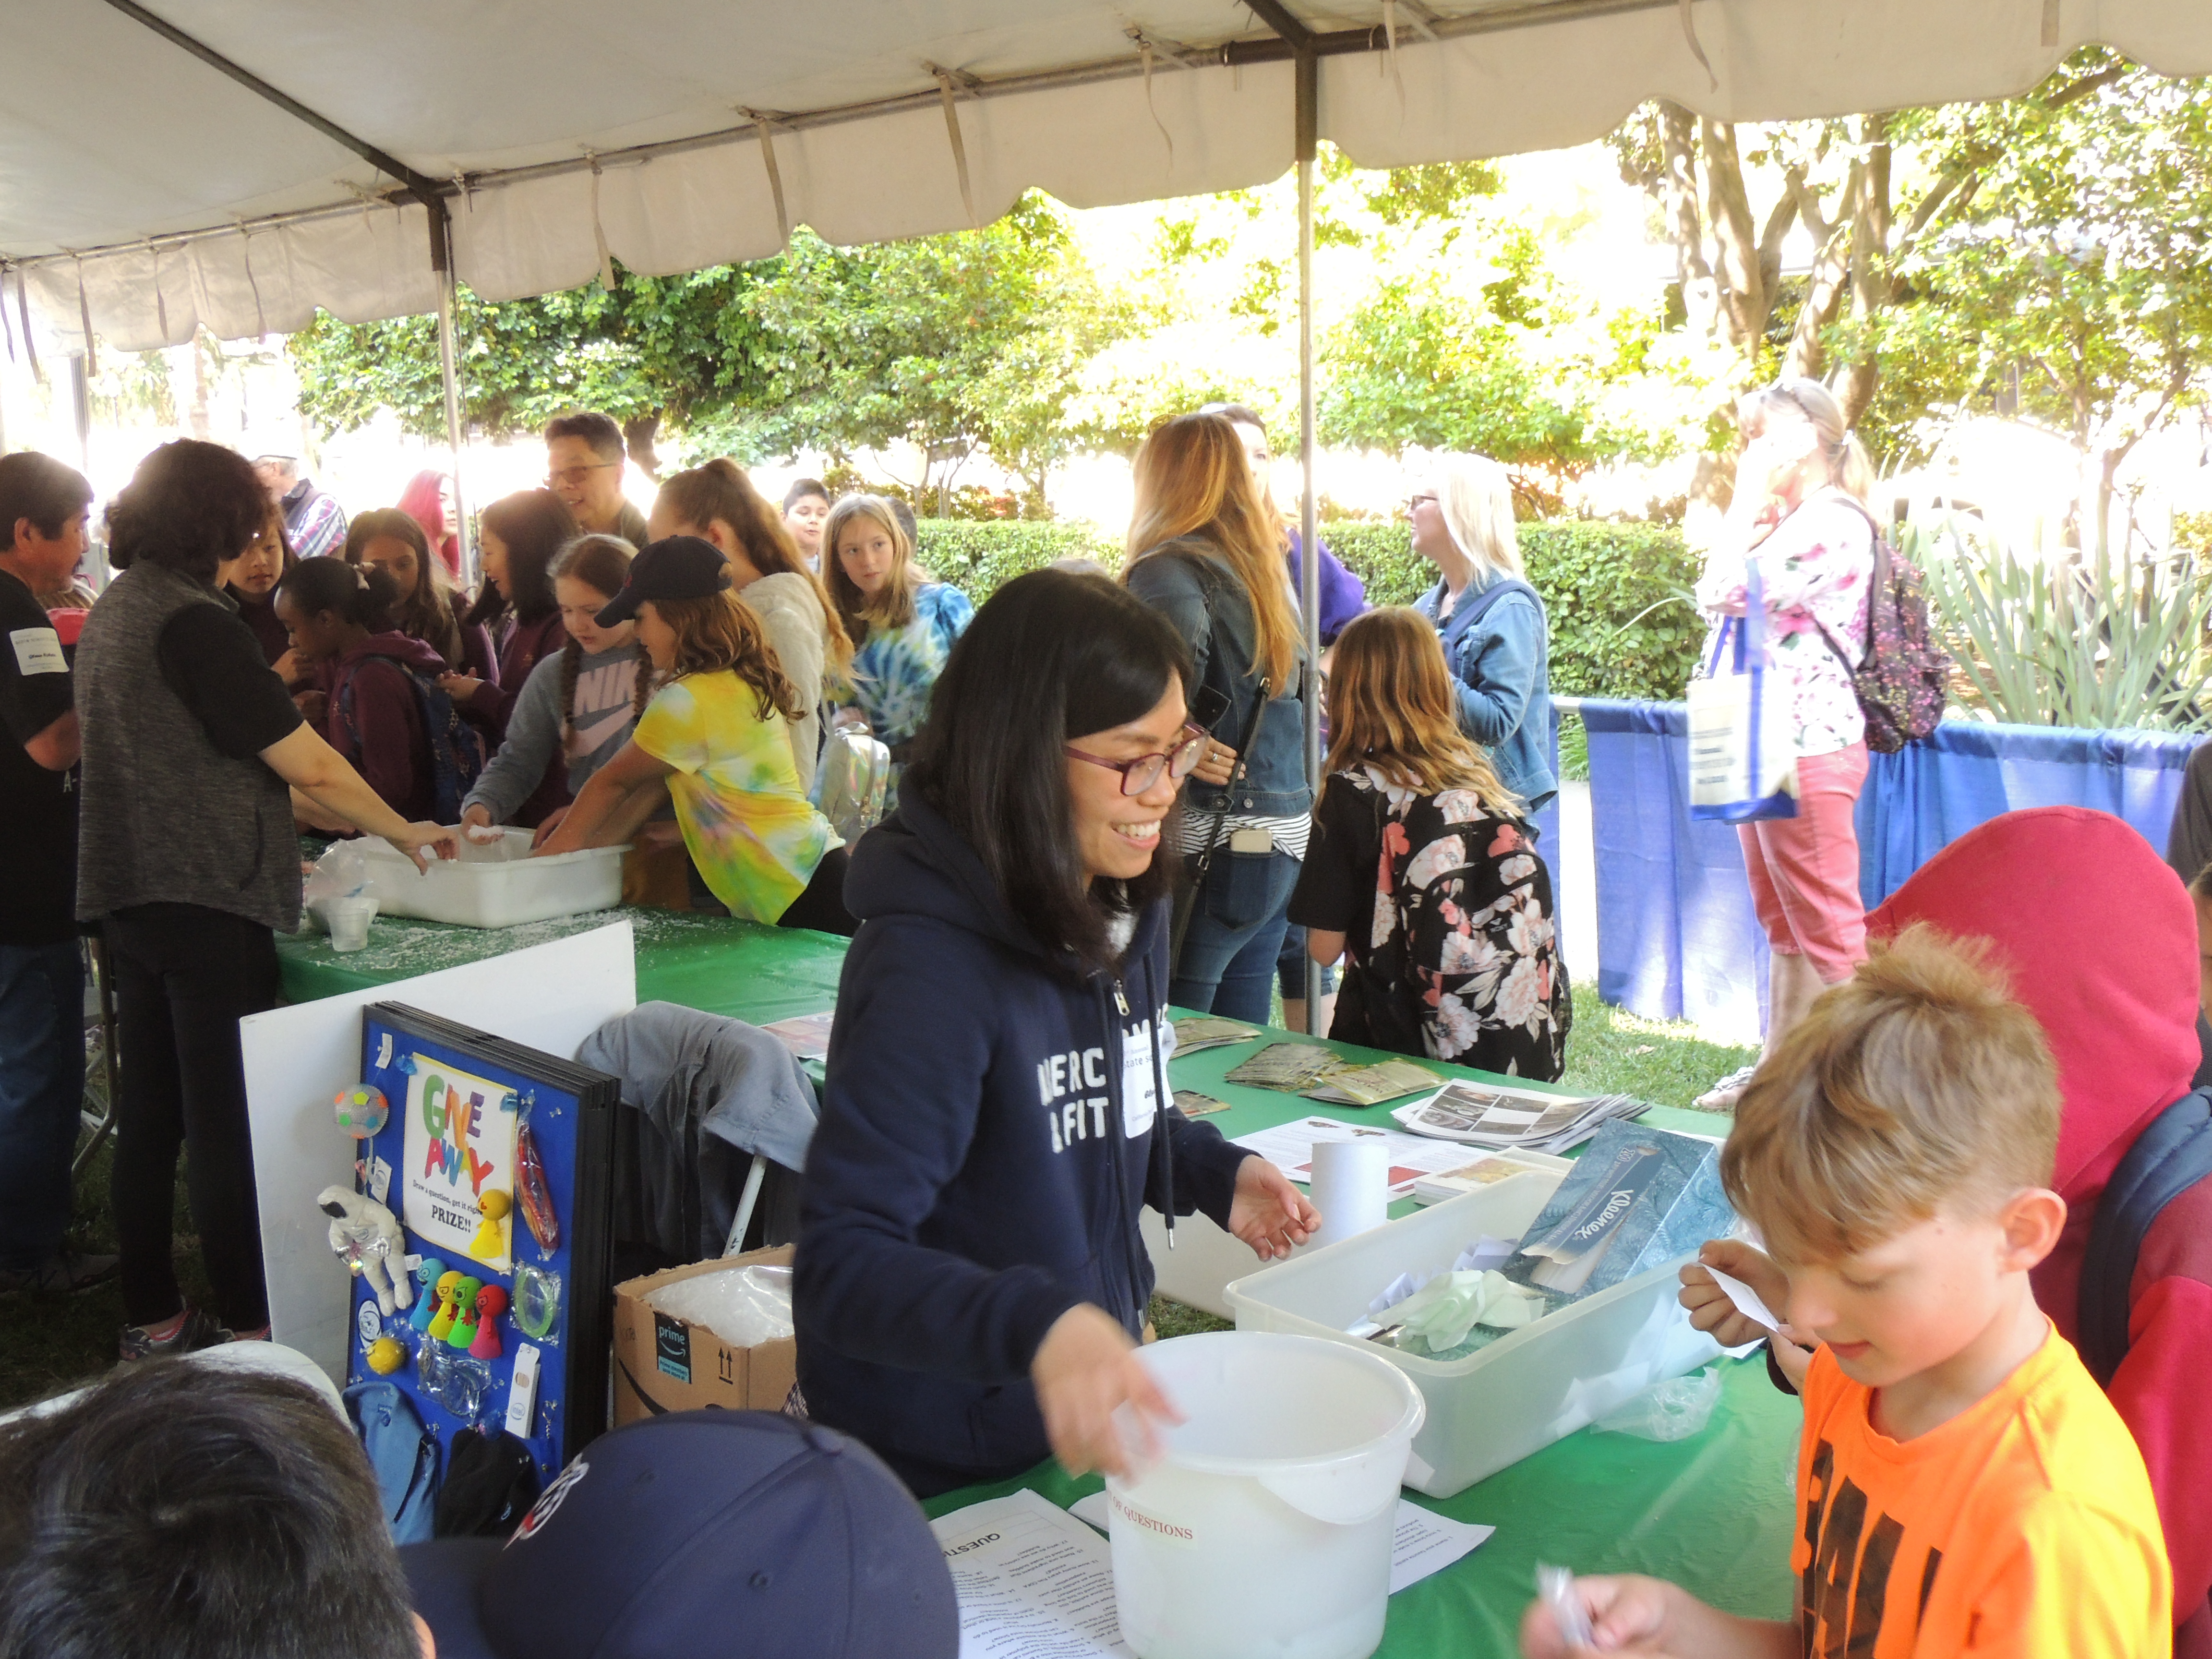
(494,885)
(1266,1528)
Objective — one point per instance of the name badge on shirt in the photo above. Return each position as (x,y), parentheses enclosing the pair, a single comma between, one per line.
(1140,1100)
(38,651)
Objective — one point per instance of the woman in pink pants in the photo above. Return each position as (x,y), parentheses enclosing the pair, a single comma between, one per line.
(1800,514)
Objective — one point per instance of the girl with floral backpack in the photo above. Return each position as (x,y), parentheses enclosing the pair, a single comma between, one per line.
(1423,873)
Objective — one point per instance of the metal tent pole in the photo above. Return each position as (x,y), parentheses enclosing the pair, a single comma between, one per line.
(1308,109)
(441,261)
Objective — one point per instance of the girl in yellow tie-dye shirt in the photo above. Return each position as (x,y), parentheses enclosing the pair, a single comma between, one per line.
(713,736)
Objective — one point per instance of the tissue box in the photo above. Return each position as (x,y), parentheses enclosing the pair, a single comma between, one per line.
(1636,1198)
(664,1364)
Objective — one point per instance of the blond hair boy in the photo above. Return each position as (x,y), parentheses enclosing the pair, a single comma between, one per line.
(1963,1484)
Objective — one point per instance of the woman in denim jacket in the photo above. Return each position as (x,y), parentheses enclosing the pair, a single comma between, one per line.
(1492,623)
(1206,553)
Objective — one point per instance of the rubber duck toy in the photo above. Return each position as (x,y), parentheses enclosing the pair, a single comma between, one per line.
(449,1287)
(463,1330)
(428,1273)
(490,1243)
(491,1302)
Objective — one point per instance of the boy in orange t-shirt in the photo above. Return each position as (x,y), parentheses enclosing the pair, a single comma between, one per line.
(1963,1484)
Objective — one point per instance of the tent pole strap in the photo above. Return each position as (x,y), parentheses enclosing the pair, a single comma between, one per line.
(1307,104)
(442,262)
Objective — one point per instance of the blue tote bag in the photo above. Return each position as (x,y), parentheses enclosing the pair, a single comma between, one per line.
(1743,760)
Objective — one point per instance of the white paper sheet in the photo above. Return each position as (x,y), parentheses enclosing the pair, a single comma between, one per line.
(1034,1581)
(1288,1147)
(1747,1300)
(1425,1542)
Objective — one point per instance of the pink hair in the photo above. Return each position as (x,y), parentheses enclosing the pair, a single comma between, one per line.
(420,502)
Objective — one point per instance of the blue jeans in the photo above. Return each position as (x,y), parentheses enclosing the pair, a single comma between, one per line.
(41,1093)
(1236,923)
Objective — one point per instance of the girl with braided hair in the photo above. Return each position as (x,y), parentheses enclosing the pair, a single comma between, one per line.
(576,709)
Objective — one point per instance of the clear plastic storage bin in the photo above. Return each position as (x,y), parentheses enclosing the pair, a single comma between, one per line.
(496,884)
(1521,1393)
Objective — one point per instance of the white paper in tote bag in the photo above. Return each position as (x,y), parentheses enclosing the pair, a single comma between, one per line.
(1743,760)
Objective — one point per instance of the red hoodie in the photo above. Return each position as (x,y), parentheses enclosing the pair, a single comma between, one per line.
(2099,940)
(385,738)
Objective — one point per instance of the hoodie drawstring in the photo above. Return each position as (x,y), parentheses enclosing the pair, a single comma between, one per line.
(1160,1149)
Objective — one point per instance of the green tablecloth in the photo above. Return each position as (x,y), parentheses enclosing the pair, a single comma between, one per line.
(741,969)
(1713,1513)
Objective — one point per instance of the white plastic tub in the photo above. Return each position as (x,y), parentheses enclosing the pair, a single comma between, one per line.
(1267,1527)
(497,884)
(1525,1390)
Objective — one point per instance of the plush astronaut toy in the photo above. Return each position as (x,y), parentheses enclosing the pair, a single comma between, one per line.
(368,1235)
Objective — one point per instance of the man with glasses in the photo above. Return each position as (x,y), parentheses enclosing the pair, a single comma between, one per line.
(584,468)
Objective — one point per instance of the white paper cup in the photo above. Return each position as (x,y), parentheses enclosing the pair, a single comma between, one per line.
(1350,1187)
(347,919)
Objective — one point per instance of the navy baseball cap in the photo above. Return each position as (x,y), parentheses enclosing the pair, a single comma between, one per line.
(742,1534)
(673,568)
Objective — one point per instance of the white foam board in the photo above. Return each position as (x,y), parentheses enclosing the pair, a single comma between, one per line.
(550,996)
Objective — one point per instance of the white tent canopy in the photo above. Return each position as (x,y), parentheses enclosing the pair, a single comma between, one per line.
(148,191)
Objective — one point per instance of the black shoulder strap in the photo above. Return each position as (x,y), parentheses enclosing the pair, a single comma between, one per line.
(2167,1159)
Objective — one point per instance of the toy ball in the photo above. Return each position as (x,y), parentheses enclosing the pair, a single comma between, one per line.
(362,1111)
(386,1356)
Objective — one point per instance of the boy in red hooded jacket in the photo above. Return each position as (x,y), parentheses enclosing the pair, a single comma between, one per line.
(2099,939)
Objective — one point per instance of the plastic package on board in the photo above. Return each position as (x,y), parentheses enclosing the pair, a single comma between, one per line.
(341,872)
(1672,1410)
(744,1306)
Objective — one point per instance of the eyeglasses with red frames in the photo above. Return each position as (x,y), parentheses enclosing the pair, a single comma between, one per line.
(1142,773)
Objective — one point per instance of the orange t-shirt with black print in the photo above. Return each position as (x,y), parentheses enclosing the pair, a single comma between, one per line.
(2025,1526)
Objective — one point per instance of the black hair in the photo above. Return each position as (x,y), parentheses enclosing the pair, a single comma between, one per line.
(190,1512)
(597,430)
(189,507)
(42,490)
(360,593)
(1051,657)
(802,488)
(535,525)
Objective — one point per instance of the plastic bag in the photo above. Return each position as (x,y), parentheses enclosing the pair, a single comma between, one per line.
(1672,1410)
(341,872)
(743,1306)
(1443,1311)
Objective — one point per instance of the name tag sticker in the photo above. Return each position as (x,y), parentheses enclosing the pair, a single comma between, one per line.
(38,651)
(1141,1101)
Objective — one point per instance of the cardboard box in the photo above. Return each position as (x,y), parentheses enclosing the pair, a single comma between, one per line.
(664,1364)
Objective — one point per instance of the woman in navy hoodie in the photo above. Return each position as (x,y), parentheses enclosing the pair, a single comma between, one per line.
(971,1284)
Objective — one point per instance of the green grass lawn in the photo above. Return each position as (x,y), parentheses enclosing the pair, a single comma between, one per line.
(52,1342)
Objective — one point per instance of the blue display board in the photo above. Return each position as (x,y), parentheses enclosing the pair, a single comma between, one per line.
(495,1158)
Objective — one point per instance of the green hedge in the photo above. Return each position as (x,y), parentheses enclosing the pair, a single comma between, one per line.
(979,555)
(1597,580)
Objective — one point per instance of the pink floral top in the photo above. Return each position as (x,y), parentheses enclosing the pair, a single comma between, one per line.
(1815,568)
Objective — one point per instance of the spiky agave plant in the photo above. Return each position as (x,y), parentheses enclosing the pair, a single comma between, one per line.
(2102,642)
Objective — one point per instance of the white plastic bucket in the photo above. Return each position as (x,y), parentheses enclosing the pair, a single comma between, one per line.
(1267,1527)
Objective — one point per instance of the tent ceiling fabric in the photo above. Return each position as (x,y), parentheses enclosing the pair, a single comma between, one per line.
(192,201)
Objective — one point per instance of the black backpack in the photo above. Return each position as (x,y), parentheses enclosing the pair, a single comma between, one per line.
(1904,680)
(2167,1159)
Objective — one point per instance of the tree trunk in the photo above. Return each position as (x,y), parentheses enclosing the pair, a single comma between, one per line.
(638,433)
(1872,287)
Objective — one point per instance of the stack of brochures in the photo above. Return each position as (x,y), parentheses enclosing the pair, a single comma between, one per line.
(1195,1033)
(1504,1118)
(1370,1085)
(1290,1066)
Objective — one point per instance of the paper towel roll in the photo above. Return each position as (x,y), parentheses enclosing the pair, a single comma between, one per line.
(1351,1186)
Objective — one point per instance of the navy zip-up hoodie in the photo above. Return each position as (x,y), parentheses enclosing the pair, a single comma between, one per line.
(987,1141)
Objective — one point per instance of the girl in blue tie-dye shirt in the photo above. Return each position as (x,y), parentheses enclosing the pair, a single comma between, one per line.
(905,626)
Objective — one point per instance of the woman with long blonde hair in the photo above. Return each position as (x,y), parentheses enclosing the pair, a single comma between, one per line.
(901,623)
(717,503)
(1205,551)
(712,734)
(1422,875)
